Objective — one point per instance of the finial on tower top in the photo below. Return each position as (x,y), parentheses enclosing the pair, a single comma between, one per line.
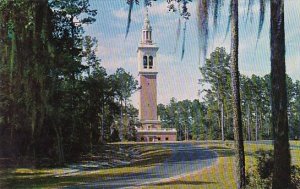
(147,11)
(147,25)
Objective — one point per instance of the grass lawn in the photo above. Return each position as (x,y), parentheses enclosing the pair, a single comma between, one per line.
(151,155)
(295,142)
(220,175)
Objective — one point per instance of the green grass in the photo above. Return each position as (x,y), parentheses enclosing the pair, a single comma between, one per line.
(221,174)
(295,142)
(151,155)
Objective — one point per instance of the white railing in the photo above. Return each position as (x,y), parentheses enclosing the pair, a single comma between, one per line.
(157,130)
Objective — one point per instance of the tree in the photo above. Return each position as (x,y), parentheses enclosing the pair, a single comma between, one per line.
(282,158)
(216,72)
(26,32)
(126,85)
(236,104)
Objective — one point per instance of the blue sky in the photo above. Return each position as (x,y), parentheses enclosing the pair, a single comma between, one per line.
(178,78)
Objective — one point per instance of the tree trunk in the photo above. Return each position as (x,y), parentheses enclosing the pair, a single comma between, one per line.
(222,121)
(256,123)
(248,123)
(121,121)
(290,120)
(282,158)
(219,107)
(91,138)
(236,106)
(102,122)
(59,141)
(261,123)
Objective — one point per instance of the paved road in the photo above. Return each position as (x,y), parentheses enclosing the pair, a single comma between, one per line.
(186,158)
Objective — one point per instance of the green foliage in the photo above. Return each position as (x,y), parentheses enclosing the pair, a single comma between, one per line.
(260,175)
(186,116)
(205,119)
(56,100)
(295,176)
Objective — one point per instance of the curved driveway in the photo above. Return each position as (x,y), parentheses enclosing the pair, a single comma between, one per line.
(186,158)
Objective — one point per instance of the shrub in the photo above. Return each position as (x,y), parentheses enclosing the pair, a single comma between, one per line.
(295,173)
(114,137)
(260,175)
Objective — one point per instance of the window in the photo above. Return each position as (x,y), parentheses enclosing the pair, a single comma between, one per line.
(142,139)
(145,62)
(158,138)
(150,62)
(167,138)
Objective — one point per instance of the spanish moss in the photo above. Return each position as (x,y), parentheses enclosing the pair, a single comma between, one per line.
(229,18)
(217,4)
(203,16)
(183,42)
(130,2)
(178,31)
(262,10)
(249,10)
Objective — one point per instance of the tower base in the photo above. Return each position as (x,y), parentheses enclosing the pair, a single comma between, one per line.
(151,131)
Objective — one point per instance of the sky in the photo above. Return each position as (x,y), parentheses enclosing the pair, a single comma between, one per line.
(178,78)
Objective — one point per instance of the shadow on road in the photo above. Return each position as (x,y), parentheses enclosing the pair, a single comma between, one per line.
(182,183)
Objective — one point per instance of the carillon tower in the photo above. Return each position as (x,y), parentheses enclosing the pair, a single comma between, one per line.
(147,68)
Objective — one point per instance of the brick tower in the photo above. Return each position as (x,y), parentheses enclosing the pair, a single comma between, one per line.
(147,68)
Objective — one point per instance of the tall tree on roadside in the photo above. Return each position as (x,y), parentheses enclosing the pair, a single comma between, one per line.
(236,103)
(216,72)
(282,158)
(70,16)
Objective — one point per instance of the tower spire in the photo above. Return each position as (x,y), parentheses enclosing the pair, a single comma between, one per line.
(146,12)
(147,29)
